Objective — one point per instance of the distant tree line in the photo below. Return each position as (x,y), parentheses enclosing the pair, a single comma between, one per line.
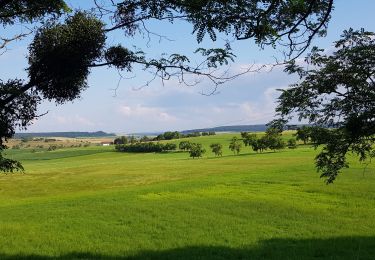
(177,135)
(169,135)
(271,140)
(148,147)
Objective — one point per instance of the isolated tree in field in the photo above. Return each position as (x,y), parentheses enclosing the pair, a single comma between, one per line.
(217,149)
(338,91)
(235,145)
(184,145)
(64,51)
(304,134)
(196,150)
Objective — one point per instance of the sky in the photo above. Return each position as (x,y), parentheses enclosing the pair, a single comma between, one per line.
(134,108)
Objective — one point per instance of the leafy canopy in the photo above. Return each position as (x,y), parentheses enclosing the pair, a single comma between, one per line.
(339,93)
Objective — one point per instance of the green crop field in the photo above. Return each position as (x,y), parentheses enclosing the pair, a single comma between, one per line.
(95,203)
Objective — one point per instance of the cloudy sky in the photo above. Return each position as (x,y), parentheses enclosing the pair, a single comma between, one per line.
(249,99)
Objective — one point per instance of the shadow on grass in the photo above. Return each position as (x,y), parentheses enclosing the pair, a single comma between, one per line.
(333,248)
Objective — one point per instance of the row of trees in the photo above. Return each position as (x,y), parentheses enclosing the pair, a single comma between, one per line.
(177,135)
(148,147)
(165,136)
(271,140)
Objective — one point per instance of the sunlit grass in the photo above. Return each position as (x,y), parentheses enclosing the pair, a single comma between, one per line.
(96,203)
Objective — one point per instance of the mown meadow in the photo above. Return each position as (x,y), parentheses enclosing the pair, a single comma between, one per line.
(95,203)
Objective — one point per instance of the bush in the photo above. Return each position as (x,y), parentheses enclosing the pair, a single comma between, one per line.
(121,140)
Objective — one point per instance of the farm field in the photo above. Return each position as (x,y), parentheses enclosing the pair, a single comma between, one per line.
(95,203)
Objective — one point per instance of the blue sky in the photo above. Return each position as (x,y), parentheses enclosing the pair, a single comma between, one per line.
(249,99)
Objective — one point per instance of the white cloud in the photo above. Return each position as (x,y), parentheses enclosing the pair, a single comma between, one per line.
(73,120)
(139,112)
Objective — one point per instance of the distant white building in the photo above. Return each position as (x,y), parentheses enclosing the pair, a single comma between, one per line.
(107,143)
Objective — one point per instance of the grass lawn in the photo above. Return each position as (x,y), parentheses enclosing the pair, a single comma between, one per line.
(94,203)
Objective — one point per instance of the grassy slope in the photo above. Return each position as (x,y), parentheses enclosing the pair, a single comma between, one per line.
(95,203)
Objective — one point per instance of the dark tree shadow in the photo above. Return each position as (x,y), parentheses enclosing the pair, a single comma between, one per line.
(333,248)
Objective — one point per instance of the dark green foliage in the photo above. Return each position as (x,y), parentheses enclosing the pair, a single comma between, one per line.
(304,134)
(196,150)
(184,145)
(208,133)
(217,149)
(119,57)
(148,147)
(61,54)
(235,145)
(248,138)
(266,21)
(168,136)
(9,165)
(260,145)
(171,135)
(121,140)
(170,147)
(292,143)
(27,11)
(17,114)
(339,93)
(193,134)
(273,139)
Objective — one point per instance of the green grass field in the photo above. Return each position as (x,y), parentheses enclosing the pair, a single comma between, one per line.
(94,203)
